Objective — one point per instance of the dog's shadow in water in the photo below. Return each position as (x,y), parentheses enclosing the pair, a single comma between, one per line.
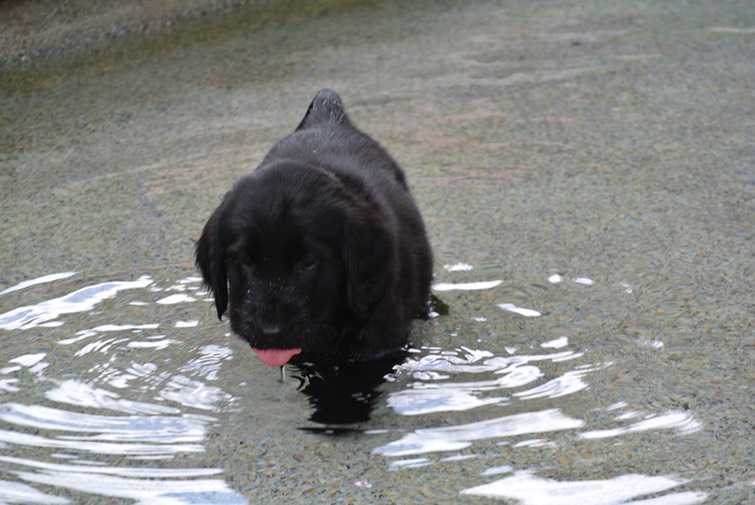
(344,393)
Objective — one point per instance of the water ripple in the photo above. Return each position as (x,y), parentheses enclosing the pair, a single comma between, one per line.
(148,486)
(162,429)
(683,422)
(81,300)
(38,280)
(529,489)
(81,394)
(466,286)
(159,410)
(17,492)
(451,438)
(439,381)
(79,444)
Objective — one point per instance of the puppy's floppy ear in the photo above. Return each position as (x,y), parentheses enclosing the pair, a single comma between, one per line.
(366,253)
(210,258)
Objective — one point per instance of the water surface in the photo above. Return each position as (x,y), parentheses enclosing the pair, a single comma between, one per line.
(585,171)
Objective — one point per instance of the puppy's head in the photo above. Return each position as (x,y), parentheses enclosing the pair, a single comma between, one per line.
(296,259)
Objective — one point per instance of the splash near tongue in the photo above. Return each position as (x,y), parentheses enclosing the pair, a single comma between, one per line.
(276,357)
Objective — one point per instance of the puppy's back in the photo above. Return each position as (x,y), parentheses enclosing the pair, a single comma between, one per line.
(326,108)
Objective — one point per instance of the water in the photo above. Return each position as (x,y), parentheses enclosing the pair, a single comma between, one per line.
(585,171)
(126,385)
(92,409)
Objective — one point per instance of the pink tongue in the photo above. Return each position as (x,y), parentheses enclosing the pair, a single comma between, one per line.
(276,357)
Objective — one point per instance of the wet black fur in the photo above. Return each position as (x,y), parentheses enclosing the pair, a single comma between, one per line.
(322,247)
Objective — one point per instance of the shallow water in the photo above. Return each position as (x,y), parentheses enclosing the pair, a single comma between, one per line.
(586,176)
(119,393)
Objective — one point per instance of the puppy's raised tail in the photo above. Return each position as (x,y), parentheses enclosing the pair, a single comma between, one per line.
(326,108)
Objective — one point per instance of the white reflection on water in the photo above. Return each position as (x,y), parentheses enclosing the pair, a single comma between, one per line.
(174,299)
(130,449)
(193,393)
(557,279)
(510,307)
(158,411)
(409,463)
(451,438)
(432,392)
(458,267)
(154,487)
(457,397)
(29,360)
(534,442)
(555,344)
(529,489)
(497,470)
(38,280)
(83,334)
(16,492)
(82,300)
(567,384)
(683,422)
(208,363)
(82,394)
(161,429)
(121,471)
(466,286)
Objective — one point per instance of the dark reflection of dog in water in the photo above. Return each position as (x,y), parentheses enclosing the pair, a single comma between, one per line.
(345,392)
(342,393)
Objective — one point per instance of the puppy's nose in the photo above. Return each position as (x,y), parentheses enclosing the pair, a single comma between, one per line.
(271,330)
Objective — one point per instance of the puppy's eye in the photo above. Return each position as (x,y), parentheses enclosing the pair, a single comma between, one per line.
(247,262)
(307,262)
(242,260)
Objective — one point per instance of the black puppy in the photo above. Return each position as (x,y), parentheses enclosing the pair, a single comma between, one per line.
(321,253)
